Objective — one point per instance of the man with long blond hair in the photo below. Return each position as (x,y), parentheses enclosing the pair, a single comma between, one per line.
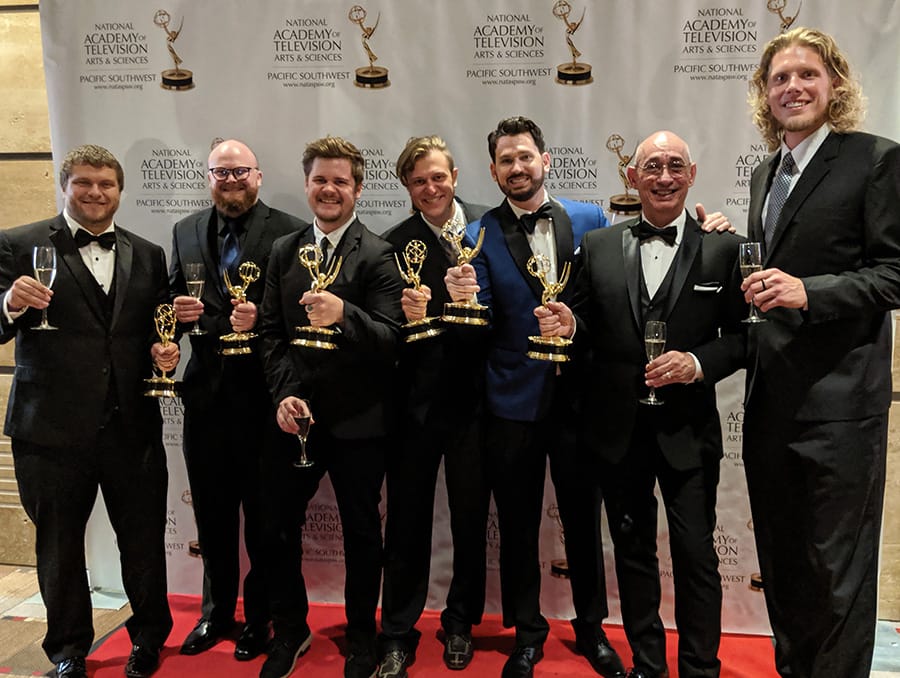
(826,206)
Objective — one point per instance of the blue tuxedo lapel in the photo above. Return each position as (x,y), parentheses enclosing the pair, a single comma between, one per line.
(519,247)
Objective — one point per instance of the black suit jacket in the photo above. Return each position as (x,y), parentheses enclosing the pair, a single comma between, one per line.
(839,232)
(437,374)
(348,388)
(704,297)
(66,381)
(193,240)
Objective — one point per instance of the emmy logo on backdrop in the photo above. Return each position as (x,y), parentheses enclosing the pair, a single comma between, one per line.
(371,76)
(311,258)
(159,385)
(624,204)
(778,7)
(193,544)
(559,567)
(414,255)
(468,312)
(238,343)
(177,78)
(574,72)
(554,349)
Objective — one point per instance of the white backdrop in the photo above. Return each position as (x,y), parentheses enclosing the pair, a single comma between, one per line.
(278,74)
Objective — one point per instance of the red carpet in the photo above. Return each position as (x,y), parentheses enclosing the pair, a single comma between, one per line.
(742,656)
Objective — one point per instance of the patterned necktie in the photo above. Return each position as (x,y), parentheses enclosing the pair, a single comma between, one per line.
(778,195)
(231,251)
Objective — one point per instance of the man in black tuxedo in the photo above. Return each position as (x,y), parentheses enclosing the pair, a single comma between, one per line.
(439,419)
(77,415)
(347,392)
(660,267)
(229,419)
(826,205)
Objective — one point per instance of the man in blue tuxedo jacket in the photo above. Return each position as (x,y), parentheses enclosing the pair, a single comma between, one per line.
(826,204)
(530,405)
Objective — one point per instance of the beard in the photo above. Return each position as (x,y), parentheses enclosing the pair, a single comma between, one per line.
(234,203)
(526,192)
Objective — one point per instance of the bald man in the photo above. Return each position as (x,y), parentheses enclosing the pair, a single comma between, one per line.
(661,266)
(229,419)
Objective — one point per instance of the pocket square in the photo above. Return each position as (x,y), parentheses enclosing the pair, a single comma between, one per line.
(710,287)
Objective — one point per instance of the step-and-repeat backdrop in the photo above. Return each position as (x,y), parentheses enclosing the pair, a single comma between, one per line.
(155,83)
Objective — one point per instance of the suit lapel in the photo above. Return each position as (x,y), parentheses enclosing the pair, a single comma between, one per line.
(631,256)
(819,166)
(518,246)
(759,189)
(347,249)
(436,263)
(68,256)
(124,260)
(565,243)
(682,263)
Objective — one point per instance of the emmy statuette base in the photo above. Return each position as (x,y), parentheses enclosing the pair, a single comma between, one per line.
(574,74)
(626,205)
(180,80)
(421,329)
(559,569)
(315,337)
(236,343)
(553,349)
(465,313)
(160,387)
(372,77)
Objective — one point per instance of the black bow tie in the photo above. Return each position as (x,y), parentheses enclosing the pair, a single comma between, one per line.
(644,231)
(105,240)
(529,221)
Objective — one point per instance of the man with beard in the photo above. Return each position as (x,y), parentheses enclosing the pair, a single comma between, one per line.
(439,420)
(229,419)
(530,408)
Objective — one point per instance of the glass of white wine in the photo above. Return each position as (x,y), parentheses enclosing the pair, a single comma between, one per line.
(654,344)
(44,261)
(303,424)
(750,261)
(195,278)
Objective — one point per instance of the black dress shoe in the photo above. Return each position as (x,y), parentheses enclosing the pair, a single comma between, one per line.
(521,662)
(252,642)
(71,667)
(283,656)
(600,654)
(204,636)
(640,673)
(458,651)
(142,662)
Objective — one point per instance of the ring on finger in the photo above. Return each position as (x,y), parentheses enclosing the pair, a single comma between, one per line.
(763,283)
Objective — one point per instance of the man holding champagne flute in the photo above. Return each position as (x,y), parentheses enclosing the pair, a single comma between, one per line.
(645,284)
(77,415)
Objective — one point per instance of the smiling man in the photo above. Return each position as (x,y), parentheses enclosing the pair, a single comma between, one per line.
(659,267)
(223,461)
(825,204)
(77,415)
(348,392)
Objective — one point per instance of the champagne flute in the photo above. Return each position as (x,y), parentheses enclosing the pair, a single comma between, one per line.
(44,260)
(195,277)
(750,261)
(303,424)
(654,344)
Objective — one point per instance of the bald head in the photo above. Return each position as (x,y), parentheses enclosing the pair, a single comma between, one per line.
(662,173)
(234,196)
